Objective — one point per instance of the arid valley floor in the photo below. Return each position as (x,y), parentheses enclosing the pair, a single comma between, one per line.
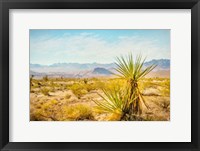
(72,99)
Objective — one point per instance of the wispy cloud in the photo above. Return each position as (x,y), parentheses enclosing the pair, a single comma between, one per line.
(89,47)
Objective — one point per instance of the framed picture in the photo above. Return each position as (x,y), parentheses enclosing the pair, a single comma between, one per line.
(99,75)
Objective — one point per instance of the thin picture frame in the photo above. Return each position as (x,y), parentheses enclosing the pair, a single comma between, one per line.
(6,5)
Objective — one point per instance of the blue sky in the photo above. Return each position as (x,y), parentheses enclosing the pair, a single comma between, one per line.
(100,46)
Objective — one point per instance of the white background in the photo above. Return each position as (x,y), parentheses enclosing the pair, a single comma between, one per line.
(178,129)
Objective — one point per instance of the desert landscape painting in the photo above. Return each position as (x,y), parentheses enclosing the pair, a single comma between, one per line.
(99,75)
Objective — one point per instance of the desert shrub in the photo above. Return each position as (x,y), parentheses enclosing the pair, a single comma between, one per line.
(52,84)
(85,81)
(165,92)
(77,112)
(90,87)
(165,87)
(45,78)
(51,110)
(78,89)
(112,83)
(34,86)
(154,117)
(99,85)
(93,86)
(46,111)
(158,86)
(67,96)
(147,83)
(45,91)
(164,104)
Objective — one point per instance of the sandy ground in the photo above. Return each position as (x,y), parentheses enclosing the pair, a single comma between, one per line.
(54,101)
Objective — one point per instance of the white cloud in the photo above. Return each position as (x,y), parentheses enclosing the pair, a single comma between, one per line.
(88,47)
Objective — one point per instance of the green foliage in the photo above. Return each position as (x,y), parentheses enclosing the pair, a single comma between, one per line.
(133,72)
(130,70)
(128,101)
(115,100)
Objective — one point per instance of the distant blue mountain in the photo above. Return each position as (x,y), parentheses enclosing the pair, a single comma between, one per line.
(36,66)
(161,63)
(101,71)
(88,69)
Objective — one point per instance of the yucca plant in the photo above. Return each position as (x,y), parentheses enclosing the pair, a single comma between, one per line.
(115,100)
(133,71)
(128,100)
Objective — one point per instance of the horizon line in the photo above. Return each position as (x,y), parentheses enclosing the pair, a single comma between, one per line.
(86,62)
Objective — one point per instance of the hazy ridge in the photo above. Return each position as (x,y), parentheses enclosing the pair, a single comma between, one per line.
(78,70)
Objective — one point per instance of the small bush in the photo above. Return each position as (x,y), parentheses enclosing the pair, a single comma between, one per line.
(77,112)
(78,89)
(85,81)
(164,104)
(68,96)
(46,111)
(45,78)
(45,91)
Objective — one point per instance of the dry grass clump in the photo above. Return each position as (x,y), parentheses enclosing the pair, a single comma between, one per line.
(53,111)
(68,96)
(78,89)
(45,91)
(45,111)
(45,78)
(77,112)
(113,83)
(81,88)
(155,87)
(154,117)
(164,104)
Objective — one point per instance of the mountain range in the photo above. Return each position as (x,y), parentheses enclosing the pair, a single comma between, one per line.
(92,69)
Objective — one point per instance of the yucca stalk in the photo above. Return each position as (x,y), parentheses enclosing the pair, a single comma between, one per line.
(133,71)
